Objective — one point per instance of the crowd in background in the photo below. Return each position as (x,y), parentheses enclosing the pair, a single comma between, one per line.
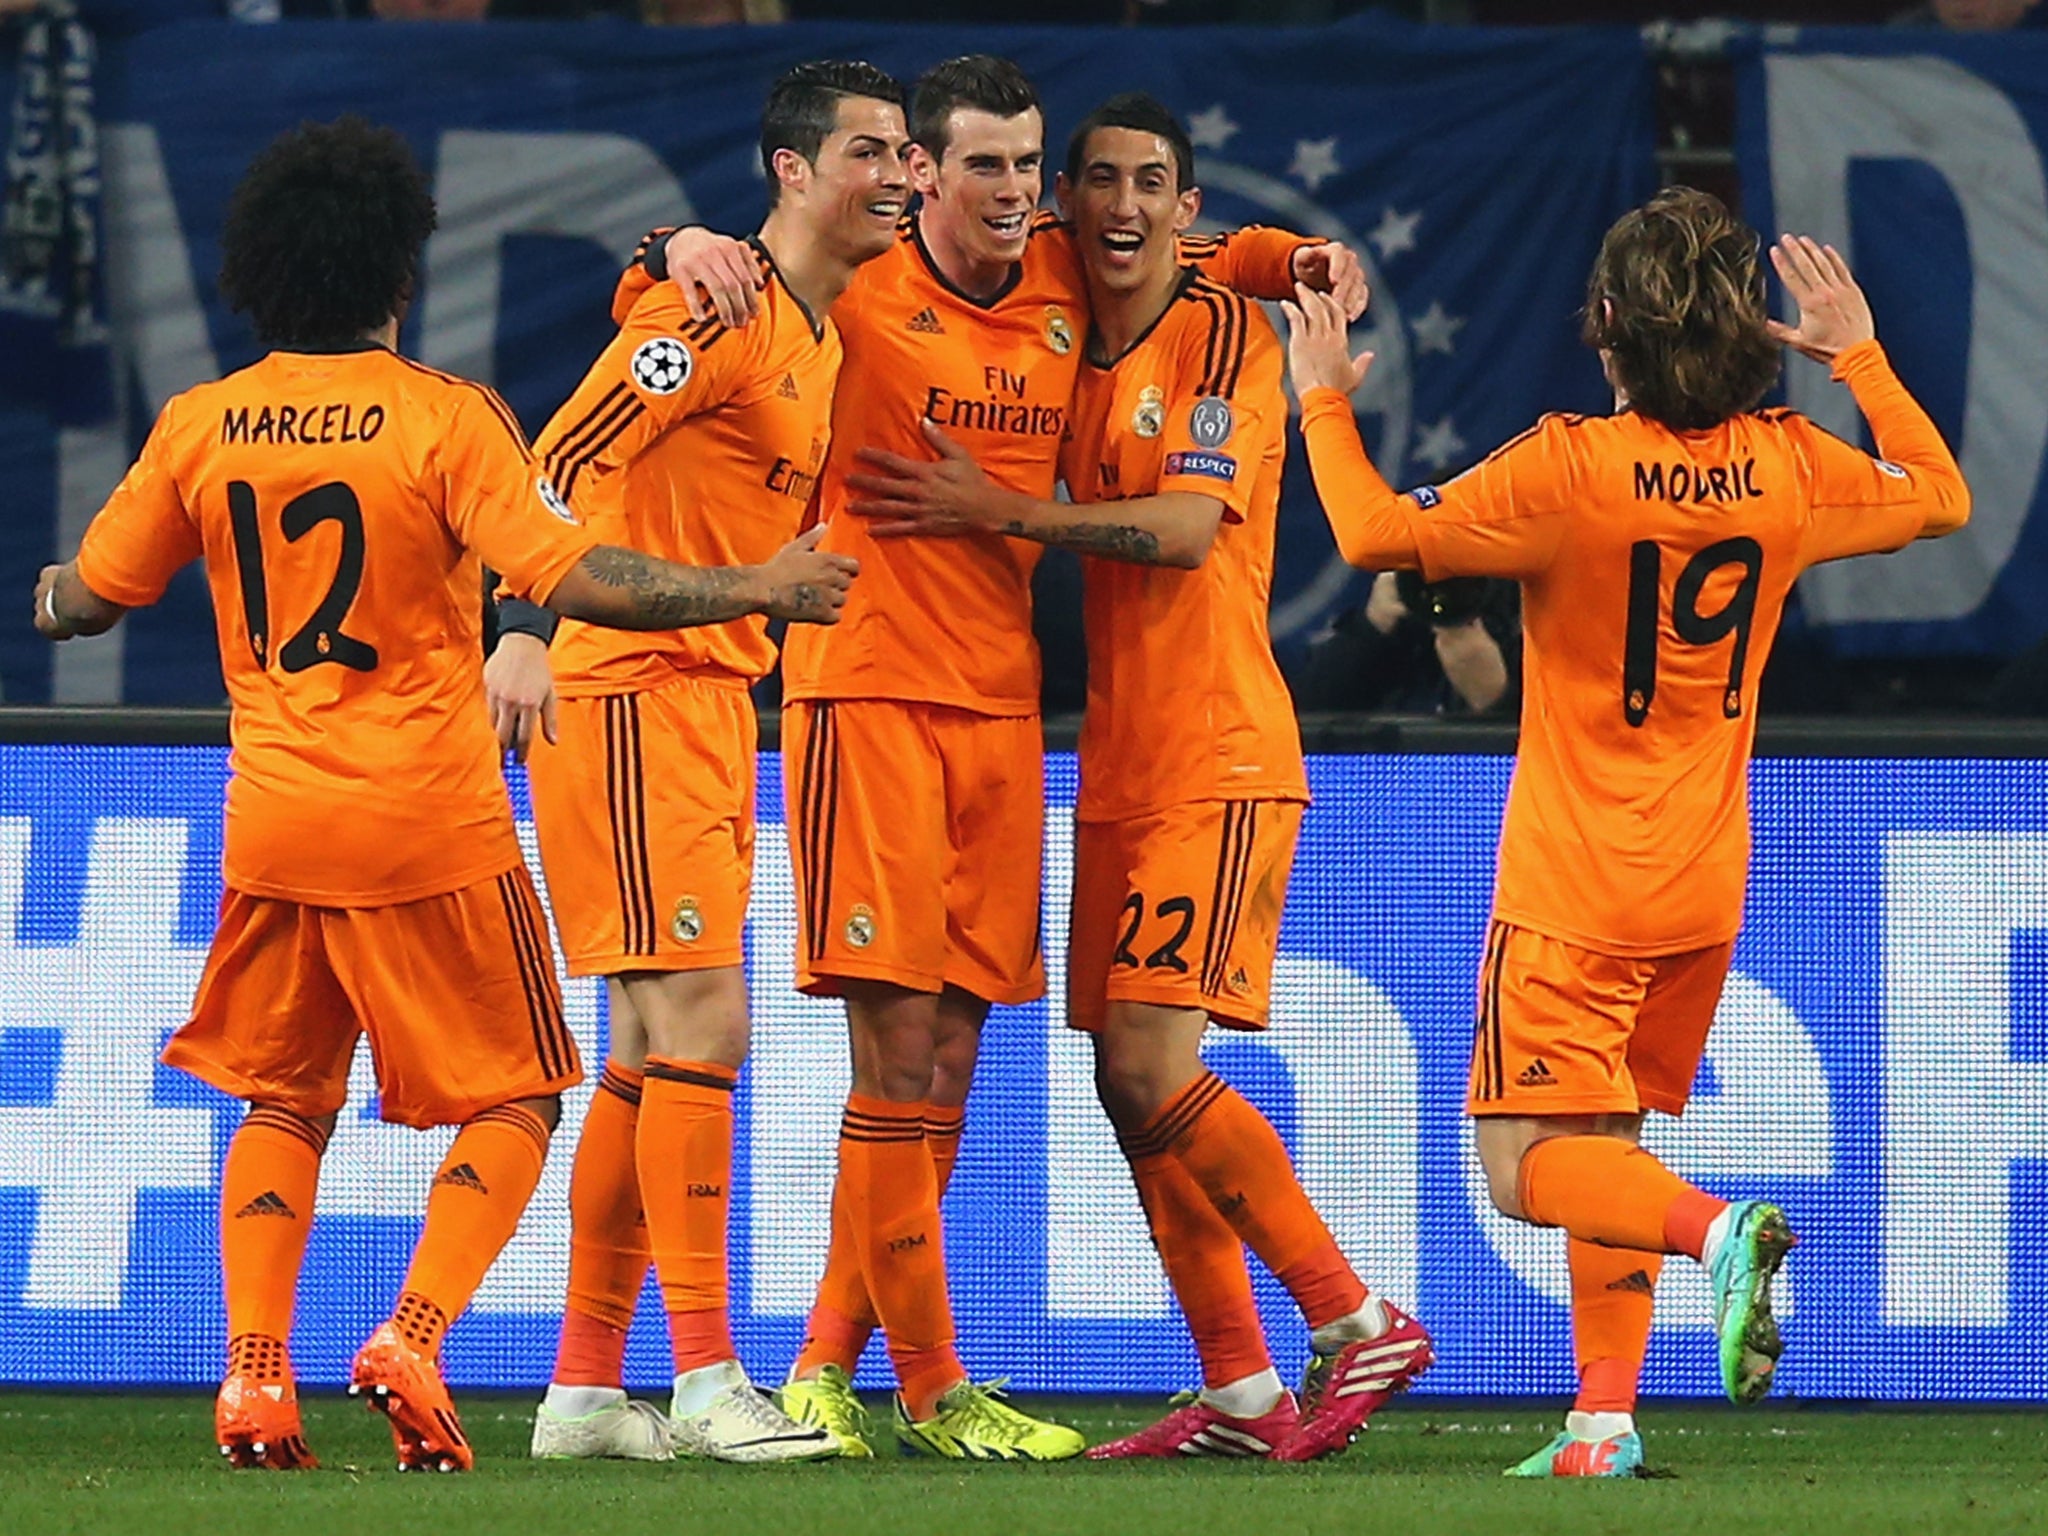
(1959,15)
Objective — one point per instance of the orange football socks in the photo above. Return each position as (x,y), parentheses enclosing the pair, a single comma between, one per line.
(1604,1190)
(473,1209)
(608,1252)
(1204,1263)
(1614,1292)
(1241,1164)
(892,1205)
(684,1154)
(266,1210)
(842,1317)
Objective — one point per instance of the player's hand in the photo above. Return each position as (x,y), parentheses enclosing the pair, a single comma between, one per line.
(1833,313)
(520,687)
(933,497)
(48,625)
(1333,268)
(806,584)
(1319,343)
(717,274)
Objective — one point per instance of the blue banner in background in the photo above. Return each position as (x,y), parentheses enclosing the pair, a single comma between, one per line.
(1474,171)
(1880,1065)
(1919,154)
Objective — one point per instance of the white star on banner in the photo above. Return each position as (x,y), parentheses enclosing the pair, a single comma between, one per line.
(1396,232)
(1211,129)
(1439,446)
(1436,330)
(1315,161)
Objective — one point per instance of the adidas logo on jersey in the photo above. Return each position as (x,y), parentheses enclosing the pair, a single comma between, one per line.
(926,323)
(1636,1280)
(463,1177)
(787,388)
(1537,1075)
(269,1203)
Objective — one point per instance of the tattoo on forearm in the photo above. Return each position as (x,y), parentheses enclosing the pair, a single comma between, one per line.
(671,597)
(1115,541)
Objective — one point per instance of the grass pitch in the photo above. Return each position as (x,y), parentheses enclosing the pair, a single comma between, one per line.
(93,1463)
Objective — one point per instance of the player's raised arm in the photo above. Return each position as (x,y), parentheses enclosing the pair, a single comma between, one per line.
(950,495)
(1264,263)
(1862,505)
(1372,525)
(1504,518)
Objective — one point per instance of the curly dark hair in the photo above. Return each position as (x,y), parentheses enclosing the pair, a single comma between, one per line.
(1676,300)
(323,234)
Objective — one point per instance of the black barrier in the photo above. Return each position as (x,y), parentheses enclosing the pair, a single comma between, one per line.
(1822,736)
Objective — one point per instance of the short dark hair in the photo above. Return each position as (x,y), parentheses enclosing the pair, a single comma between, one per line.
(1146,114)
(979,81)
(1676,300)
(803,107)
(323,234)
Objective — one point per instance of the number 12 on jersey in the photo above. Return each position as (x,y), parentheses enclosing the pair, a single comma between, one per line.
(320,640)
(1645,596)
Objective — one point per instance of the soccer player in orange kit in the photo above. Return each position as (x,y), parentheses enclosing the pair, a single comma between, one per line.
(913,753)
(1192,783)
(700,443)
(1655,548)
(344,500)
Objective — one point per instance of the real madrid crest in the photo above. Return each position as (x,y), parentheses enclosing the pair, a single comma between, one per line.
(1059,335)
(1149,419)
(686,924)
(860,927)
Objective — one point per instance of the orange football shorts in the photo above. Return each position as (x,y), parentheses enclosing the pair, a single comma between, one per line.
(1570,1031)
(457,994)
(1180,908)
(645,814)
(916,832)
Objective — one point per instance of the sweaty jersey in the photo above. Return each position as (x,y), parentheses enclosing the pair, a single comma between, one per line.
(1185,701)
(341,502)
(700,445)
(1654,567)
(948,621)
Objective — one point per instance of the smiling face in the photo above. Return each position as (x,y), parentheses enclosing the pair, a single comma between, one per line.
(981,193)
(857,189)
(1127,208)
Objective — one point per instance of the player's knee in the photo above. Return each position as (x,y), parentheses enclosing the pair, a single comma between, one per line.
(1131,1081)
(694,1015)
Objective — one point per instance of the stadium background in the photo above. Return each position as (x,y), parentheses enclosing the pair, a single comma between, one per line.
(1883,1061)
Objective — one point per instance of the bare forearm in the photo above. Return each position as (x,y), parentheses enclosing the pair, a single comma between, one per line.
(1906,436)
(624,589)
(1365,515)
(1172,530)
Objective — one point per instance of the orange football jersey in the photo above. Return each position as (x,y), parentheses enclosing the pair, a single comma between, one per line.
(1654,567)
(702,446)
(1185,701)
(342,502)
(948,621)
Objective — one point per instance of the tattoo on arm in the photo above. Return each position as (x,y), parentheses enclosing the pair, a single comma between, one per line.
(666,596)
(1115,541)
